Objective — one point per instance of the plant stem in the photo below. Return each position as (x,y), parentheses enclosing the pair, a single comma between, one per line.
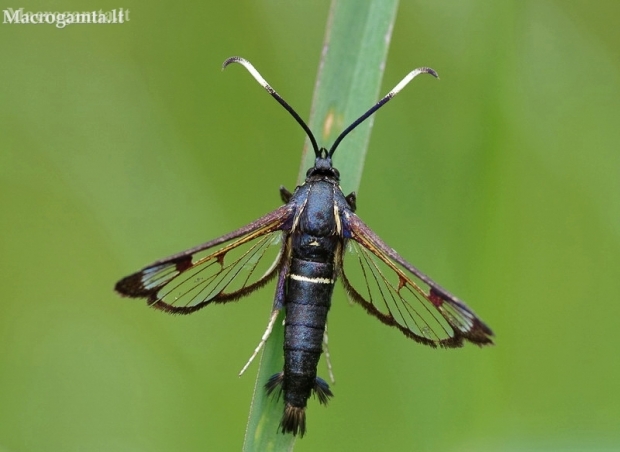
(348,83)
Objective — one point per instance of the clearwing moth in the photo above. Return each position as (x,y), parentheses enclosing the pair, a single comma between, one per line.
(306,245)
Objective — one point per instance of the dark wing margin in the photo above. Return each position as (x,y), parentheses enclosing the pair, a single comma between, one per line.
(376,276)
(185,282)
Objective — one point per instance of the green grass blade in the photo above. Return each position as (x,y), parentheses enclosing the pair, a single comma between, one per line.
(348,83)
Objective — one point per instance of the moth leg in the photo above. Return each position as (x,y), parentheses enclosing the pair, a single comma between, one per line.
(272,321)
(285,195)
(352,201)
(278,301)
(278,304)
(327,357)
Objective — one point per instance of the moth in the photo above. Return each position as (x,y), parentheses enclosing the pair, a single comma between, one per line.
(306,245)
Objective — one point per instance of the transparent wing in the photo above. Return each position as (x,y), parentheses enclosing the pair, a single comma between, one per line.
(398,294)
(218,271)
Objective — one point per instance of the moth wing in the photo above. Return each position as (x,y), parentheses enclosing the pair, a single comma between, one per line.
(398,294)
(218,271)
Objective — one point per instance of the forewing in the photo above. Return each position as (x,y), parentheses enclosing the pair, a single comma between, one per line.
(218,271)
(398,294)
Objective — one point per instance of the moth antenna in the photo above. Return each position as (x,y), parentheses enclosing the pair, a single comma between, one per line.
(413,74)
(262,82)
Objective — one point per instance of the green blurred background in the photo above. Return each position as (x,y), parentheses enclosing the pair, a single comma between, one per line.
(121,144)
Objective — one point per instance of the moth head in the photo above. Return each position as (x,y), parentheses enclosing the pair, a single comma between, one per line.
(323,166)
